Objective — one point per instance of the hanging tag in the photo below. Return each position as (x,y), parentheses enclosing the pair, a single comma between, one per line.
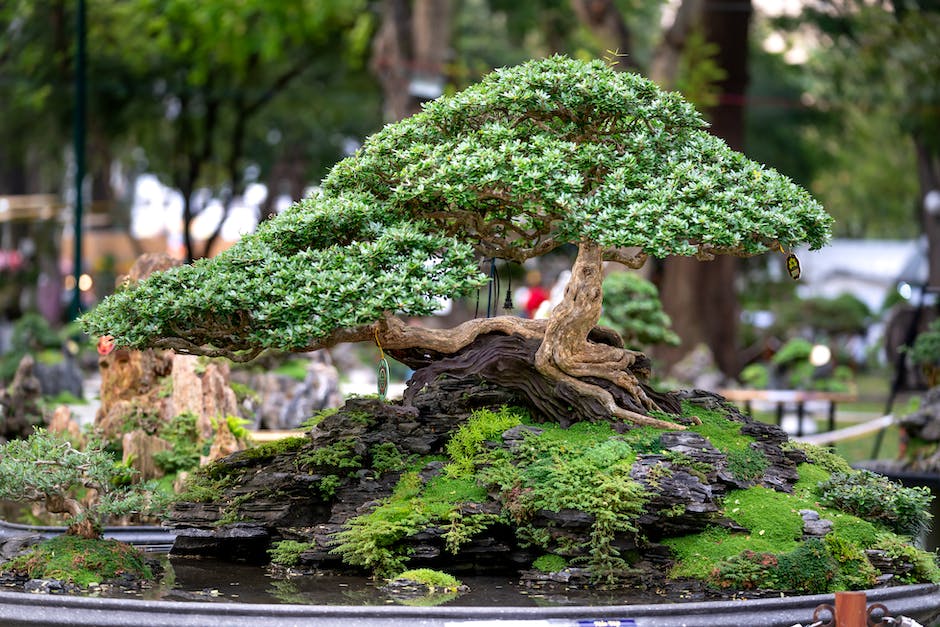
(793,266)
(382,378)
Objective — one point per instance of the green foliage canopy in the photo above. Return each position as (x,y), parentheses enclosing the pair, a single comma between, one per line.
(45,468)
(551,152)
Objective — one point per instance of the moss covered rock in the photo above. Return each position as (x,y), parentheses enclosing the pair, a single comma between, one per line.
(464,481)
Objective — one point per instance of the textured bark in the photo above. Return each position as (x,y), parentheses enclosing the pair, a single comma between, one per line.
(568,356)
(564,368)
(508,362)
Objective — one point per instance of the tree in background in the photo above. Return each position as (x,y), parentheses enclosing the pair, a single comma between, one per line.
(185,90)
(874,67)
(549,153)
(632,308)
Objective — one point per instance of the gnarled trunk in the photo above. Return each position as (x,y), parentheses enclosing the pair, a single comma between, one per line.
(565,367)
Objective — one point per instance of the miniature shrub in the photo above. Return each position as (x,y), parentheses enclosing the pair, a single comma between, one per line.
(484,424)
(287,552)
(328,486)
(45,467)
(585,467)
(808,568)
(748,570)
(550,563)
(81,561)
(874,497)
(374,540)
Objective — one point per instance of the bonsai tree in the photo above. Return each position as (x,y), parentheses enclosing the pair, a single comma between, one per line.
(46,468)
(552,152)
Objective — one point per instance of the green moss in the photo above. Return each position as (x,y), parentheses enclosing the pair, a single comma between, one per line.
(318,417)
(820,456)
(855,571)
(550,563)
(767,513)
(435,580)
(287,552)
(386,458)
(852,528)
(585,467)
(373,540)
(340,455)
(698,554)
(810,476)
(467,442)
(81,561)
(207,483)
(744,462)
(269,450)
(808,568)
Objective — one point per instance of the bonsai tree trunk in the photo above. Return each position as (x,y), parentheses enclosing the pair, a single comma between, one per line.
(567,354)
(84,526)
(564,367)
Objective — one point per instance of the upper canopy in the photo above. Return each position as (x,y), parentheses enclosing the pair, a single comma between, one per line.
(550,152)
(558,150)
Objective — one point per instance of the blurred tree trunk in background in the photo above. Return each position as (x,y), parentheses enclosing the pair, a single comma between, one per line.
(700,297)
(409,53)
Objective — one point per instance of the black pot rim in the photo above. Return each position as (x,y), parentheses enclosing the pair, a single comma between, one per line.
(18,609)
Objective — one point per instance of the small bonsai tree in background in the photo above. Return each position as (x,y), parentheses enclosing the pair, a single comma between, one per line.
(549,153)
(45,468)
(925,352)
(633,309)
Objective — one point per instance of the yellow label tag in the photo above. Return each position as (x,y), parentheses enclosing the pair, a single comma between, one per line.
(793,266)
